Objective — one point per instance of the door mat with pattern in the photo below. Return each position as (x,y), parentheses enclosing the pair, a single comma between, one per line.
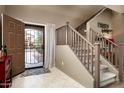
(35,71)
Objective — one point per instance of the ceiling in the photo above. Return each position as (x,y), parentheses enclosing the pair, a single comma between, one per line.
(56,14)
(117,8)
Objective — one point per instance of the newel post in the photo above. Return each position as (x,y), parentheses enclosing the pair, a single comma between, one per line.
(97,65)
(121,62)
(67,23)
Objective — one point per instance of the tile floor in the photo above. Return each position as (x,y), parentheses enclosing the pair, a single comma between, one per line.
(55,79)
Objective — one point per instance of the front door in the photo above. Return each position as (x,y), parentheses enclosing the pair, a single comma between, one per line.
(13,38)
(34,46)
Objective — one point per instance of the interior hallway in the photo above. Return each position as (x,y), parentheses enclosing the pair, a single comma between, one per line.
(54,79)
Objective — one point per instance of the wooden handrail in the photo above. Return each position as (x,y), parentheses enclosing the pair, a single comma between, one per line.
(86,57)
(105,38)
(81,36)
(83,49)
(109,50)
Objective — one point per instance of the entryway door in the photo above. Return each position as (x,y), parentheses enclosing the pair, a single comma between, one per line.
(13,38)
(34,46)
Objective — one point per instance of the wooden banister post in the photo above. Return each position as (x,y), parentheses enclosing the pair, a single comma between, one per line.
(97,65)
(67,23)
(121,63)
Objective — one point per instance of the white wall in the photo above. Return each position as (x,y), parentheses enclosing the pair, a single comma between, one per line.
(68,62)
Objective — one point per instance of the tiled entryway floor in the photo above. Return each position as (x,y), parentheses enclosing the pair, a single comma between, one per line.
(54,79)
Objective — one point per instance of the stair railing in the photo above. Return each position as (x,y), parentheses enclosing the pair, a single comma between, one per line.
(87,53)
(109,50)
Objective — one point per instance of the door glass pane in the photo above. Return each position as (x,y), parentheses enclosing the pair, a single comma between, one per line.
(34,47)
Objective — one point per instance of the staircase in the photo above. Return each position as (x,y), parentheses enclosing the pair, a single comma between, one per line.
(111,51)
(94,55)
(106,76)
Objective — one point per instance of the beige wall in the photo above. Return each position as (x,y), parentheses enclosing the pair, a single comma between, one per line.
(118,8)
(61,36)
(118,27)
(116,22)
(68,62)
(104,17)
(2,9)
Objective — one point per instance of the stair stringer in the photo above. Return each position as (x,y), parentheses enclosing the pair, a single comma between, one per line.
(68,62)
(110,66)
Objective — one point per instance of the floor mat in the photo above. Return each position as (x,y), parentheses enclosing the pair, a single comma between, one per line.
(35,71)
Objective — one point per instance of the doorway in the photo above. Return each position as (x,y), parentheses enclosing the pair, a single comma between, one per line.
(34,46)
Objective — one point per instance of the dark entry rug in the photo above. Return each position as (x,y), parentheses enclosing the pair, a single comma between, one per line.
(34,71)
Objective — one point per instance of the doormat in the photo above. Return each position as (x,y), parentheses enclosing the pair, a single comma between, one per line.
(35,71)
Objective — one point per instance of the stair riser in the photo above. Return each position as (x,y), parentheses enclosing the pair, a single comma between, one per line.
(102,70)
(107,82)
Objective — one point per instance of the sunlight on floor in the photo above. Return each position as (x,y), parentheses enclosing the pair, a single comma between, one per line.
(55,79)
